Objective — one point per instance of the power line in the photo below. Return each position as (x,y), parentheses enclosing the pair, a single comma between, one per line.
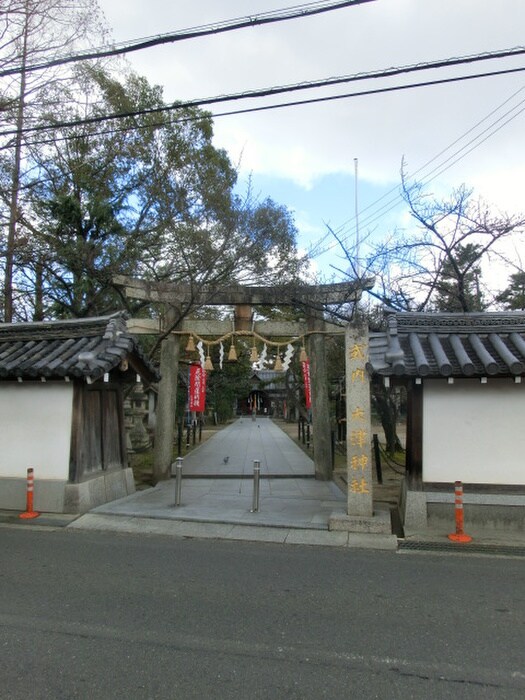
(215,115)
(391,204)
(439,169)
(327,82)
(444,150)
(460,153)
(282,15)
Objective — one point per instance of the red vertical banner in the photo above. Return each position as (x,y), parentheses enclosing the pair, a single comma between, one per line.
(197,388)
(307,385)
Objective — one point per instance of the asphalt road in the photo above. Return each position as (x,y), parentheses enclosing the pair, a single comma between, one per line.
(94,615)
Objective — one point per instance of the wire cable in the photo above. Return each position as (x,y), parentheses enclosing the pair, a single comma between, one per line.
(446,164)
(327,82)
(439,169)
(395,190)
(272,16)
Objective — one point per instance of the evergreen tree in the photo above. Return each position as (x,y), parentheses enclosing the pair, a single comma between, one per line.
(457,286)
(513,298)
(149,197)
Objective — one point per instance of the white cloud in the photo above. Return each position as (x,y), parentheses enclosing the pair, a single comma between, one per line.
(305,143)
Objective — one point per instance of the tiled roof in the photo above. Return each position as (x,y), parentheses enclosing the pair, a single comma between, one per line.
(271,379)
(450,345)
(84,348)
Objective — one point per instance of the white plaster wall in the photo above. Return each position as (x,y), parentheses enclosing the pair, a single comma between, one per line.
(35,429)
(474,432)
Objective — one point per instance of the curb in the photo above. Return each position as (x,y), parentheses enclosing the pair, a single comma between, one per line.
(233,532)
(44,520)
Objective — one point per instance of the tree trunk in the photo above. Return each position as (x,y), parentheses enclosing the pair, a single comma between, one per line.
(387,412)
(38,314)
(15,184)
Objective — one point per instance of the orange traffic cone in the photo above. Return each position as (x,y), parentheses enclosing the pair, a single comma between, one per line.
(29,512)
(459,535)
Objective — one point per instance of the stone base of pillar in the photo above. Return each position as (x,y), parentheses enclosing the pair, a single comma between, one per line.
(378,523)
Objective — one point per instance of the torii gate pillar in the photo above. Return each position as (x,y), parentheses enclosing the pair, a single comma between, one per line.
(320,405)
(243,314)
(167,400)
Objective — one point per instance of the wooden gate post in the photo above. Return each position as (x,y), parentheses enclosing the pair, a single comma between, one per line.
(167,401)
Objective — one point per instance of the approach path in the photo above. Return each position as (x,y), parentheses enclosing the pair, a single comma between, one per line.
(217,491)
(232,451)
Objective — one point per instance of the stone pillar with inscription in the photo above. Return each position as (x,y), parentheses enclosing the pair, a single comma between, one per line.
(358,422)
(361,516)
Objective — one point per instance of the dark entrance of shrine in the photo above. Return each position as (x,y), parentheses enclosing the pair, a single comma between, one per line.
(257,402)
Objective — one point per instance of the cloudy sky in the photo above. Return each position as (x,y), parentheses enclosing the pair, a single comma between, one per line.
(468,132)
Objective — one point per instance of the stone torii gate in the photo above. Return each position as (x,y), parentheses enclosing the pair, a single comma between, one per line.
(177,297)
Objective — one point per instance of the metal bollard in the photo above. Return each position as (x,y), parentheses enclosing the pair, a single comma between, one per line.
(178,480)
(256,475)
